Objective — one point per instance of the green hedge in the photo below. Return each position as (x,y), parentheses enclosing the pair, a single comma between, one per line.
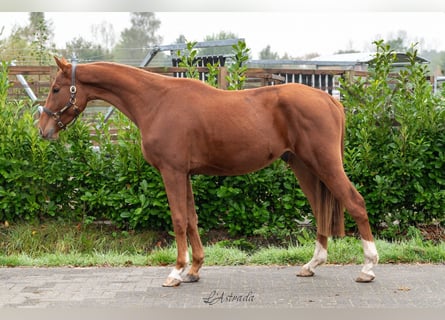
(394,154)
(395,143)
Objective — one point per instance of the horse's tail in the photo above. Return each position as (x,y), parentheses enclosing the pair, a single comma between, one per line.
(328,210)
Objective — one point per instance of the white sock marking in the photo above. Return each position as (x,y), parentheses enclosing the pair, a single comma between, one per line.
(371,256)
(175,273)
(320,257)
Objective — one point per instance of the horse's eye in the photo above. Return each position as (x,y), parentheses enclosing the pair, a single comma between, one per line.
(55,90)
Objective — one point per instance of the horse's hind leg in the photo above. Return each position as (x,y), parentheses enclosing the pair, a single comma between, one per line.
(308,183)
(195,240)
(330,171)
(335,179)
(355,205)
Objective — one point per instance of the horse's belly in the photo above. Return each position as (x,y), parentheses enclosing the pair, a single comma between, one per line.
(232,164)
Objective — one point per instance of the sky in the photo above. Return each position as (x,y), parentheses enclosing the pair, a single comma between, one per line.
(295,33)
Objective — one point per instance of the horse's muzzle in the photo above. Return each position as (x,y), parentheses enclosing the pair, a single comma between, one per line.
(48,134)
(45,134)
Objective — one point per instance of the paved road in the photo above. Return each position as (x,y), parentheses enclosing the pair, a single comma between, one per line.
(396,286)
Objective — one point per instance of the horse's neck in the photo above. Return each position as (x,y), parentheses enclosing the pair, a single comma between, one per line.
(123,87)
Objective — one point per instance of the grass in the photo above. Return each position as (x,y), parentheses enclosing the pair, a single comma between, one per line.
(61,244)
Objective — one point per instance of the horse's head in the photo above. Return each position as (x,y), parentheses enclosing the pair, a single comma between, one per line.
(64,102)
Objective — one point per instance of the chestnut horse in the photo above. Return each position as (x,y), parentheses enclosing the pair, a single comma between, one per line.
(188,127)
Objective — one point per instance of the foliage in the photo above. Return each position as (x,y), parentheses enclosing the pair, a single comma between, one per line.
(398,42)
(395,143)
(134,40)
(23,187)
(31,44)
(212,77)
(236,72)
(86,50)
(222,35)
(437,58)
(104,33)
(40,46)
(394,153)
(268,54)
(4,82)
(188,60)
(244,204)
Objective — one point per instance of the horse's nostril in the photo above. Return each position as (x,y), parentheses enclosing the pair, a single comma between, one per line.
(49,134)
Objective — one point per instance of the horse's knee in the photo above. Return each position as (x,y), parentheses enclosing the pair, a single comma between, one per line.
(179,226)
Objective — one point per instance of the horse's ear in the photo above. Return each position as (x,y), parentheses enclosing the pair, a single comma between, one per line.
(62,63)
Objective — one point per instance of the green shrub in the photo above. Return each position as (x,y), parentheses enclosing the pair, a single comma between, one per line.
(4,82)
(394,153)
(395,143)
(37,178)
(236,72)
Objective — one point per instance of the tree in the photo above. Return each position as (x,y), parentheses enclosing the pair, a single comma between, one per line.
(15,47)
(132,47)
(437,61)
(41,34)
(86,50)
(104,32)
(181,39)
(222,35)
(267,54)
(38,27)
(399,42)
(31,44)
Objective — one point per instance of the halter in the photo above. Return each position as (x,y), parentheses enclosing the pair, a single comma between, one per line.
(71,103)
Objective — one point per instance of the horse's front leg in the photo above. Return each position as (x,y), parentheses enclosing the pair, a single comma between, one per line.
(176,188)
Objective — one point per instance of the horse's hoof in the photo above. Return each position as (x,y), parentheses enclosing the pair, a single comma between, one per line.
(171,282)
(364,277)
(191,278)
(305,273)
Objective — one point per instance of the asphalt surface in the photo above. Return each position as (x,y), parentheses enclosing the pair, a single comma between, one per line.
(396,286)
